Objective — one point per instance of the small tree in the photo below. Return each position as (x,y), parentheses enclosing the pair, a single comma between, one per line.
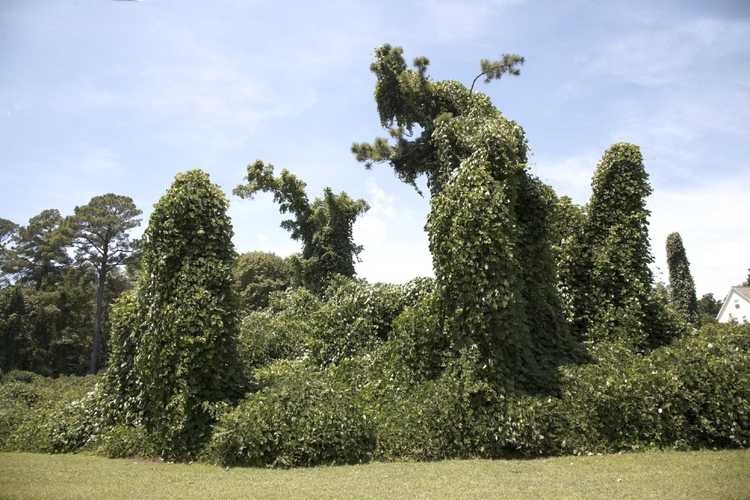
(257,275)
(708,307)
(186,358)
(682,286)
(100,230)
(324,226)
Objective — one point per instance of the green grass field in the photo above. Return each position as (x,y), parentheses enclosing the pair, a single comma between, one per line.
(703,474)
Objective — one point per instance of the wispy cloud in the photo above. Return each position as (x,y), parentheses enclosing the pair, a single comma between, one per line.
(662,55)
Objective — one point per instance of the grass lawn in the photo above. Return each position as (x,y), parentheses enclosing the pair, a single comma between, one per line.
(703,474)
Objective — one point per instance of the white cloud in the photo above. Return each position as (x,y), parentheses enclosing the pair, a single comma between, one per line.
(395,243)
(570,176)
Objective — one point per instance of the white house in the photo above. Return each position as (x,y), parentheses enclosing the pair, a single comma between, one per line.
(736,306)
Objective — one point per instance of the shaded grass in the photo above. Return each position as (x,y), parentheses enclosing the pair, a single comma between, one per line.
(667,474)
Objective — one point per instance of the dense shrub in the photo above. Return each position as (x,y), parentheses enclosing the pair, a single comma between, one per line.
(300,418)
(33,408)
(419,339)
(280,331)
(121,441)
(451,416)
(355,316)
(694,393)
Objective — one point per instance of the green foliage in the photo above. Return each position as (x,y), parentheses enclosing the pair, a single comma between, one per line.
(33,409)
(420,340)
(494,70)
(13,327)
(299,419)
(573,258)
(281,331)
(694,393)
(121,399)
(454,415)
(324,226)
(708,307)
(257,275)
(186,358)
(123,441)
(354,318)
(48,330)
(681,284)
(8,233)
(664,321)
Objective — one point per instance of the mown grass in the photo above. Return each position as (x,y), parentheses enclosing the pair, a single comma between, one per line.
(701,474)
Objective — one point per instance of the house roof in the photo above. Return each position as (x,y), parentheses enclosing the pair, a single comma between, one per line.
(743,291)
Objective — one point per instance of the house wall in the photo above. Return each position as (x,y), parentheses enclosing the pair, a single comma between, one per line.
(735,307)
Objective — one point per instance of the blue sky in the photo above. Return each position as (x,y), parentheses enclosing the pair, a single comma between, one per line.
(107,96)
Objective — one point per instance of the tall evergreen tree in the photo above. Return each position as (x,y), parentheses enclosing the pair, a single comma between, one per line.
(324,226)
(8,232)
(186,357)
(101,238)
(40,252)
(682,286)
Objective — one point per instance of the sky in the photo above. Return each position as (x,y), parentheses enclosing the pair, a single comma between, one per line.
(102,96)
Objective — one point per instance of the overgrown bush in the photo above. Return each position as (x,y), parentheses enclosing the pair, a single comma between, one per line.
(300,418)
(694,393)
(33,409)
(122,441)
(355,316)
(281,331)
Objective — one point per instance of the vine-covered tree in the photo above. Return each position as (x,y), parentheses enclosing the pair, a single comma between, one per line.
(681,284)
(489,225)
(186,360)
(101,238)
(617,235)
(39,254)
(747,280)
(324,226)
